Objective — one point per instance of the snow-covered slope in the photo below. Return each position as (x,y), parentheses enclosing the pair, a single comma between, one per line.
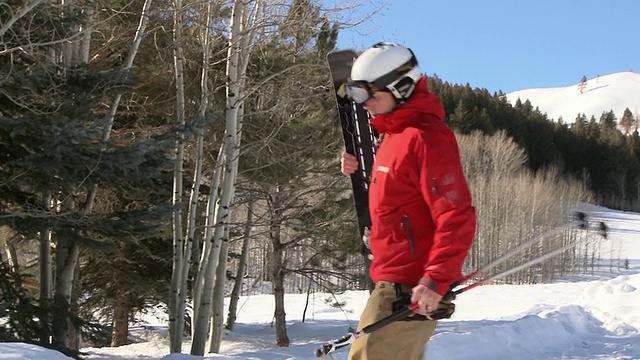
(584,317)
(601,94)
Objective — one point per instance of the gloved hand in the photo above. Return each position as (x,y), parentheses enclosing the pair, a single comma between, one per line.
(445,310)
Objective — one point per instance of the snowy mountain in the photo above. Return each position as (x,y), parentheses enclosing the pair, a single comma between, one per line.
(601,94)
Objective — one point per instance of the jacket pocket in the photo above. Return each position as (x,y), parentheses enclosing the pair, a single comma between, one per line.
(390,228)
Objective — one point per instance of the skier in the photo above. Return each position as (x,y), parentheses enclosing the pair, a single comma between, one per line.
(423,221)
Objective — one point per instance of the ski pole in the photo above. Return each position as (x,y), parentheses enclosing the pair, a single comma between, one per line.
(514,269)
(579,222)
(582,224)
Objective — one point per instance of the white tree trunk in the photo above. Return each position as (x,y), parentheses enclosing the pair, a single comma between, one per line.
(45,255)
(85,41)
(192,249)
(67,252)
(217,308)
(238,53)
(208,263)
(181,249)
(249,20)
(208,234)
(46,270)
(66,259)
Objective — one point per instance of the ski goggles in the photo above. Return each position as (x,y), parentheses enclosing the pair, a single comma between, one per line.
(360,91)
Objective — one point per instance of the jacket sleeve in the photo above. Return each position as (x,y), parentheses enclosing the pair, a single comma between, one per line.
(444,188)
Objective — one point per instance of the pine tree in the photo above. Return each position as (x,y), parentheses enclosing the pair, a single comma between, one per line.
(55,152)
(579,124)
(628,121)
(608,120)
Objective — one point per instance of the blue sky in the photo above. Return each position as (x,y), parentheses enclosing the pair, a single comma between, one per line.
(509,45)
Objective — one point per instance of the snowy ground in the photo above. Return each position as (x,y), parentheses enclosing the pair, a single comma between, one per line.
(596,317)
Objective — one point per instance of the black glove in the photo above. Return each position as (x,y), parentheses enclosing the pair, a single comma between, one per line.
(446,308)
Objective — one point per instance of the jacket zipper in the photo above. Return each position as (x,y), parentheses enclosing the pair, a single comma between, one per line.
(406,224)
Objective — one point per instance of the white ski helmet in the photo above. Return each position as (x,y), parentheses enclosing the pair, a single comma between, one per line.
(384,66)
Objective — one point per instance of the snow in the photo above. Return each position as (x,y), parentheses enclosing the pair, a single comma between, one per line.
(615,92)
(585,317)
(20,351)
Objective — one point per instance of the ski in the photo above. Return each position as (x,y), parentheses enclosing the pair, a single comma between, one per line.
(359,137)
(477,278)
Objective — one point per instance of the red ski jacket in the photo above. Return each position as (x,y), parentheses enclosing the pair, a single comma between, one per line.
(423,221)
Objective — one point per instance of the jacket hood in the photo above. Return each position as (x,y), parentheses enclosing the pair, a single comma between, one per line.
(410,113)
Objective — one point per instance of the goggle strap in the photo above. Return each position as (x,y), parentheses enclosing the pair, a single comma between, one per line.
(388,78)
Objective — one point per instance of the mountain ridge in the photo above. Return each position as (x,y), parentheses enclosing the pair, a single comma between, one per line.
(616,92)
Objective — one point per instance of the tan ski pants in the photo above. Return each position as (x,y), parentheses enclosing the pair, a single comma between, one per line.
(402,340)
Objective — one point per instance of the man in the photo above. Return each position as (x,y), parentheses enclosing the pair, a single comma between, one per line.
(423,221)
